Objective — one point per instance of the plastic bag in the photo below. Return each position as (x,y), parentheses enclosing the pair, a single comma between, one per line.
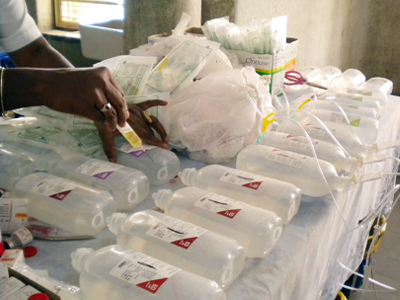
(215,117)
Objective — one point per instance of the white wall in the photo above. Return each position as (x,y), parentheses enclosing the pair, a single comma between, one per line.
(361,34)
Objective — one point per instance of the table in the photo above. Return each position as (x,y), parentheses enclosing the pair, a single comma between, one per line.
(304,263)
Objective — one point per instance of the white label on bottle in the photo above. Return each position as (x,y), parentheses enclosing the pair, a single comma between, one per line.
(287,158)
(176,232)
(242,178)
(53,187)
(299,142)
(220,205)
(98,168)
(24,235)
(316,131)
(13,214)
(143,271)
(129,149)
(340,119)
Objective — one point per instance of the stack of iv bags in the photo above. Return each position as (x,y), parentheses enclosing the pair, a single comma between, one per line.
(321,140)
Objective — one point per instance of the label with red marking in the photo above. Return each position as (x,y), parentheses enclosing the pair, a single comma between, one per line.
(220,205)
(54,187)
(242,178)
(98,168)
(143,271)
(176,232)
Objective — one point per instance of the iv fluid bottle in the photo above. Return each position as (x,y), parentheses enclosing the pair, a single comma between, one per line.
(13,166)
(278,196)
(366,137)
(113,272)
(377,84)
(350,78)
(128,186)
(348,140)
(256,229)
(181,244)
(159,165)
(302,171)
(354,120)
(300,144)
(355,110)
(69,205)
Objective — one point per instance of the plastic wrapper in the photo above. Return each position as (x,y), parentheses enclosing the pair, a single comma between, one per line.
(64,290)
(215,117)
(255,36)
(131,72)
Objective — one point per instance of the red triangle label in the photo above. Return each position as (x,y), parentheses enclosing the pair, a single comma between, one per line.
(184,243)
(60,196)
(152,286)
(229,213)
(253,185)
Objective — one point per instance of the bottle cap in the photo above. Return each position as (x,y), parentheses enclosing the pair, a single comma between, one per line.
(29,251)
(39,296)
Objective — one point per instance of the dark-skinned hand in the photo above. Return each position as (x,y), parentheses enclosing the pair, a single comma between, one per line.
(140,124)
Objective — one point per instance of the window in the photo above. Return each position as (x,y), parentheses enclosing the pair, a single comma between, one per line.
(69,13)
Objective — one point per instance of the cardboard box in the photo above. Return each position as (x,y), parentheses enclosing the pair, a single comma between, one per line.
(272,64)
(34,284)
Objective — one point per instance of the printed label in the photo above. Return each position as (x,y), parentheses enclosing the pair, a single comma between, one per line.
(299,142)
(176,232)
(287,158)
(13,214)
(220,205)
(98,168)
(340,119)
(129,76)
(316,131)
(143,271)
(54,187)
(24,235)
(242,178)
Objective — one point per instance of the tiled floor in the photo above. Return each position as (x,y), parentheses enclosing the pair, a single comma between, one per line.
(386,262)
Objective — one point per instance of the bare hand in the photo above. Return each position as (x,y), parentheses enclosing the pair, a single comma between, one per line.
(142,126)
(85,92)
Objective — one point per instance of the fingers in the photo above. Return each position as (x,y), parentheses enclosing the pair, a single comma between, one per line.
(107,139)
(150,103)
(110,118)
(115,96)
(157,126)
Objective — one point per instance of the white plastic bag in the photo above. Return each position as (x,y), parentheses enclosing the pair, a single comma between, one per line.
(215,117)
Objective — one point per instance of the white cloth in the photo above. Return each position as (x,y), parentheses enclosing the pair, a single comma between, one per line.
(17,28)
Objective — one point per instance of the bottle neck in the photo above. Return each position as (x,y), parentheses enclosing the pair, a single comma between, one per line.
(161,198)
(79,258)
(188,176)
(115,222)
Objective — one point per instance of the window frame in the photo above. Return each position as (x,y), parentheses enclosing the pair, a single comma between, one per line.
(73,25)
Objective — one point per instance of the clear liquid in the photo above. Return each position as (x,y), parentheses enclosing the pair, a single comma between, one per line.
(82,211)
(128,186)
(211,255)
(257,230)
(280,197)
(97,283)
